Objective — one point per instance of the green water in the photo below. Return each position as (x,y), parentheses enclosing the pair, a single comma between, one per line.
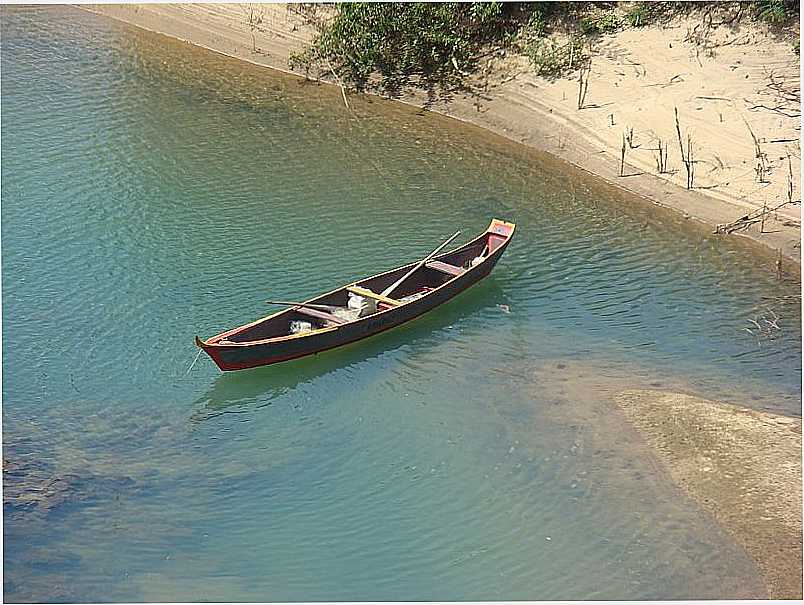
(152,191)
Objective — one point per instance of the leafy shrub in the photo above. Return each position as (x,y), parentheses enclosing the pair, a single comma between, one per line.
(536,26)
(602,23)
(548,56)
(775,12)
(486,14)
(638,15)
(551,58)
(404,43)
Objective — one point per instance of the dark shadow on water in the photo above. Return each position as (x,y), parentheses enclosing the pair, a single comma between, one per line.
(234,392)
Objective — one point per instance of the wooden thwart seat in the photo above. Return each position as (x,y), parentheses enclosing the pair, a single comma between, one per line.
(320,315)
(369,294)
(445,267)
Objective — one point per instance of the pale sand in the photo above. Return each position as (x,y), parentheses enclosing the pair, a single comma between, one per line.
(638,77)
(743,466)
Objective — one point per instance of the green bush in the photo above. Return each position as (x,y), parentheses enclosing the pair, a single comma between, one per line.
(404,43)
(776,12)
(638,15)
(552,58)
(549,56)
(603,23)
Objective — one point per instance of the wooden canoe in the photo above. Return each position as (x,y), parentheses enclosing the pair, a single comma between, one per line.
(270,339)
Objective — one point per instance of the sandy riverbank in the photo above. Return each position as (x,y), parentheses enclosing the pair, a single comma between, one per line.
(638,77)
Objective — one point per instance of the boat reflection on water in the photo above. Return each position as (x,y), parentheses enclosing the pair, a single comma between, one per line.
(242,392)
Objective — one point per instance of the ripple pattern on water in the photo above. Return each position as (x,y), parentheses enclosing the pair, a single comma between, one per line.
(152,191)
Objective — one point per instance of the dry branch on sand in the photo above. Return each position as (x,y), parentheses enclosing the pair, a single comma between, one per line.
(745,221)
(784,94)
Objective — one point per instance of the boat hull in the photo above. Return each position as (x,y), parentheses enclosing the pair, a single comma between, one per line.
(251,355)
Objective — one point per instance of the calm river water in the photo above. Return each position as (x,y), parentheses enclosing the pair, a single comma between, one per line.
(152,191)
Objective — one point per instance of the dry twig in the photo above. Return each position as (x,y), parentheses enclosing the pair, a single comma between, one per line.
(747,220)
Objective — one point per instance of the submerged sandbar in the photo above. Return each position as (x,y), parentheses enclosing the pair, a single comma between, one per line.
(741,465)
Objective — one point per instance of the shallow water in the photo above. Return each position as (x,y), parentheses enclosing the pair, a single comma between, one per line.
(152,191)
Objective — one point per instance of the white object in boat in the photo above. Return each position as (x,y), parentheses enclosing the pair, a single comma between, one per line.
(297,327)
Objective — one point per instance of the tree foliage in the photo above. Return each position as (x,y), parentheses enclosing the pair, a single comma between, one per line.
(427,44)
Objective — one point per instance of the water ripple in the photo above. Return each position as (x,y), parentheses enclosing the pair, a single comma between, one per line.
(152,191)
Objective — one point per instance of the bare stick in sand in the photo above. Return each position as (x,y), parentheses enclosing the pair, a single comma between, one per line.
(761,169)
(779,266)
(583,82)
(789,180)
(586,80)
(761,157)
(757,148)
(580,88)
(678,132)
(629,137)
(622,157)
(690,163)
(661,158)
(685,158)
(254,20)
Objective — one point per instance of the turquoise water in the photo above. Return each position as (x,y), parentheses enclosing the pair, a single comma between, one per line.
(152,191)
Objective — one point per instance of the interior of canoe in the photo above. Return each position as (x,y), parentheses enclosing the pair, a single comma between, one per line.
(433,274)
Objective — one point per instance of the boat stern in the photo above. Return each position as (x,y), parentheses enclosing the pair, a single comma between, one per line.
(499,233)
(500,227)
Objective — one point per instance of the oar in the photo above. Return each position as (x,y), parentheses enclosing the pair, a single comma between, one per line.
(298,304)
(394,285)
